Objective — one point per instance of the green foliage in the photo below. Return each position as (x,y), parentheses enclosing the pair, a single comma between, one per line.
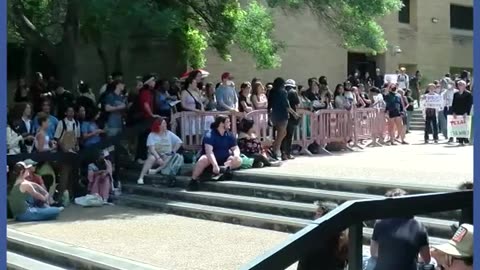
(355,21)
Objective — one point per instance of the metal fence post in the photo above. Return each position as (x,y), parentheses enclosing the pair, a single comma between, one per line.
(355,247)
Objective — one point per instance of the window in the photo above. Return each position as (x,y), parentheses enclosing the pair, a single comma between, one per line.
(461,17)
(404,13)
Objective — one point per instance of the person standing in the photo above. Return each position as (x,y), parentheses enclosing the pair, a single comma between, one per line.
(410,108)
(403,80)
(447,93)
(462,105)
(430,115)
(294,102)
(227,98)
(278,110)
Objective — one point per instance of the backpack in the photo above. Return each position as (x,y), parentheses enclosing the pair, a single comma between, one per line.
(67,143)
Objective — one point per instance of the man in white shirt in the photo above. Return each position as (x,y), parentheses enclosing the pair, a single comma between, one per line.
(67,133)
(403,79)
(447,94)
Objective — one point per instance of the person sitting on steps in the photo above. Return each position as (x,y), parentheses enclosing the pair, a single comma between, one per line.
(29,201)
(162,150)
(220,153)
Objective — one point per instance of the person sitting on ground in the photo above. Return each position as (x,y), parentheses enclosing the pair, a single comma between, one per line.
(457,254)
(331,254)
(397,242)
(162,151)
(252,147)
(30,165)
(29,201)
(100,177)
(220,152)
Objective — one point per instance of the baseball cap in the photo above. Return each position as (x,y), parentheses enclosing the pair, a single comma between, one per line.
(24,165)
(461,244)
(30,162)
(291,83)
(227,75)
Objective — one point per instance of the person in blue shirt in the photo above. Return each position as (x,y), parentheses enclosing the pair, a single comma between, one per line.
(90,130)
(115,104)
(52,120)
(220,152)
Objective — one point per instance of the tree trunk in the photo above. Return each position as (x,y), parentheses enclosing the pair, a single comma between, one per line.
(118,58)
(104,60)
(28,61)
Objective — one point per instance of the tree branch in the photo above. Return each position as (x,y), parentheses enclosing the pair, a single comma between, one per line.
(27,29)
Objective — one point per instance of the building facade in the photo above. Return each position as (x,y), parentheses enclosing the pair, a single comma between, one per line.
(433,36)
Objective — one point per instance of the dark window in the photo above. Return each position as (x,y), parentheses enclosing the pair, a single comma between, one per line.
(404,13)
(461,17)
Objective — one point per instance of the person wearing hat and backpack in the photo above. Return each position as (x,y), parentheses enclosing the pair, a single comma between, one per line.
(457,254)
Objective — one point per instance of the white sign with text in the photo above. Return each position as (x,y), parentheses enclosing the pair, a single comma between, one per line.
(458,127)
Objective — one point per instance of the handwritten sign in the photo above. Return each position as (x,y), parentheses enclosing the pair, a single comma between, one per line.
(458,127)
(390,78)
(433,102)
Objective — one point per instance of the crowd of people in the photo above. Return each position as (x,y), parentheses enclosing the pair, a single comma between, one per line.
(45,117)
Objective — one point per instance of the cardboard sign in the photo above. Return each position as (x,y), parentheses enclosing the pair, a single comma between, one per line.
(458,127)
(433,101)
(390,78)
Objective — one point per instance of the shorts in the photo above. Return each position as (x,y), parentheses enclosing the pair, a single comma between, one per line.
(209,169)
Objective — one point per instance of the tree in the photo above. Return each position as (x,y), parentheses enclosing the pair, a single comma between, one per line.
(57,26)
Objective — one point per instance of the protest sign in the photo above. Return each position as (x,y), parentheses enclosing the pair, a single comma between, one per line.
(433,102)
(390,78)
(458,127)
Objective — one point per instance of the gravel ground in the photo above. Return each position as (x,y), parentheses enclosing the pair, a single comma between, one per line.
(166,241)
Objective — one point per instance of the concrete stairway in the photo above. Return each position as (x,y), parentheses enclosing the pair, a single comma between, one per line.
(27,252)
(265,201)
(417,121)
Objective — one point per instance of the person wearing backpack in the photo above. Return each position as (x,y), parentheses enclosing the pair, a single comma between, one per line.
(67,133)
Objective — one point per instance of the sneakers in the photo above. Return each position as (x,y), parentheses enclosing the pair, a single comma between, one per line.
(226,173)
(140,181)
(194,185)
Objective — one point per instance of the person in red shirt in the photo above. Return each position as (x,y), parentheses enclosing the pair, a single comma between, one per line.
(146,104)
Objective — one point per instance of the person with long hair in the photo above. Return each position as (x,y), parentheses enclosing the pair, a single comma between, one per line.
(394,109)
(90,131)
(100,177)
(220,153)
(278,109)
(29,201)
(210,102)
(163,146)
(340,101)
(190,97)
(258,98)
(22,93)
(252,147)
(244,104)
(331,254)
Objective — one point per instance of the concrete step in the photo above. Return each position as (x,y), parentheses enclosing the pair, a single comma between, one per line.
(246,218)
(65,255)
(436,227)
(272,191)
(228,215)
(19,262)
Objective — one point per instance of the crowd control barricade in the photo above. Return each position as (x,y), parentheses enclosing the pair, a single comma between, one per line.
(333,126)
(303,135)
(263,131)
(191,126)
(364,121)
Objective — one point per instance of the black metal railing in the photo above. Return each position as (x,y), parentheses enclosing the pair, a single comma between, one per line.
(351,215)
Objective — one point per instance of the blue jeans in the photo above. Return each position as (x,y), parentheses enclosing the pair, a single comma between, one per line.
(39,214)
(442,122)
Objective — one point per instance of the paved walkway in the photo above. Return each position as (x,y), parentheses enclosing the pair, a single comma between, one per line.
(439,165)
(166,241)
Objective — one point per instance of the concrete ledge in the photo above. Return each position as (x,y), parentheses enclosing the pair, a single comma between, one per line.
(19,262)
(68,256)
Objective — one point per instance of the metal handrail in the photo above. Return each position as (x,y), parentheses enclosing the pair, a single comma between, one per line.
(351,215)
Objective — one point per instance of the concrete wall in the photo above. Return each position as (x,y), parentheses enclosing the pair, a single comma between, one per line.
(312,50)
